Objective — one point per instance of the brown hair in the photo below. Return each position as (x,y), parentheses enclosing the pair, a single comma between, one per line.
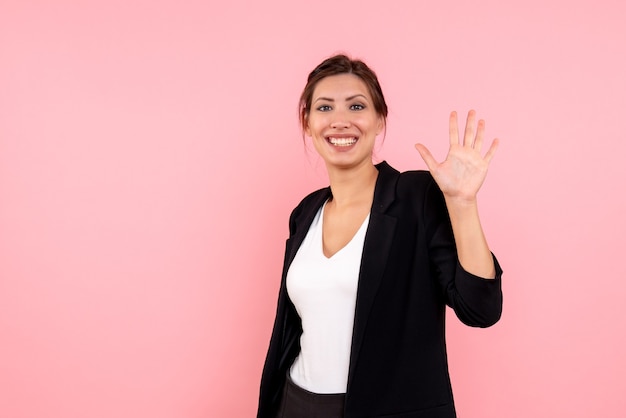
(342,64)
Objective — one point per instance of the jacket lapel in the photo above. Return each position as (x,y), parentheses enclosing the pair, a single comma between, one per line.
(302,223)
(376,248)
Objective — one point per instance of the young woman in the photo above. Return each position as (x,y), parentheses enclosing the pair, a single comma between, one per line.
(372,261)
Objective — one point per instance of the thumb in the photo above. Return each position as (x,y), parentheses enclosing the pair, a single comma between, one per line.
(426,156)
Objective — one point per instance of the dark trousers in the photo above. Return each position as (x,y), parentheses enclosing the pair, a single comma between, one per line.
(300,403)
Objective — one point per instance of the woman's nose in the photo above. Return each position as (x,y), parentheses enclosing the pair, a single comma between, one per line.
(340,121)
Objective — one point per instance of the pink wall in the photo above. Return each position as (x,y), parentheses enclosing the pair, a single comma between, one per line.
(150,156)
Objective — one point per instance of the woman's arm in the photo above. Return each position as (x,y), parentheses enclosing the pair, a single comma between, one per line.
(460,177)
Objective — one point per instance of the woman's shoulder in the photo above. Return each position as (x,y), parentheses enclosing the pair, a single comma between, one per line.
(412,177)
(417,176)
(308,207)
(314,198)
(417,181)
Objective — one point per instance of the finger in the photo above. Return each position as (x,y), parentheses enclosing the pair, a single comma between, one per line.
(468,139)
(492,150)
(428,158)
(480,131)
(454,129)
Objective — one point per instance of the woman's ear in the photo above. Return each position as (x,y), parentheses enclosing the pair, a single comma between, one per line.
(380,125)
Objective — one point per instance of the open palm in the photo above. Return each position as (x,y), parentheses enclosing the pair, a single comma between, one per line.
(464,170)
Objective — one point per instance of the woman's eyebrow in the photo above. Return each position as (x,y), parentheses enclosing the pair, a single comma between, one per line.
(328,99)
(355,96)
(347,98)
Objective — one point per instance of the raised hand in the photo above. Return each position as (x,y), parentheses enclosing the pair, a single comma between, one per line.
(464,170)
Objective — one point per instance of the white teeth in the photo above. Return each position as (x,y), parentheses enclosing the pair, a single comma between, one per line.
(342,142)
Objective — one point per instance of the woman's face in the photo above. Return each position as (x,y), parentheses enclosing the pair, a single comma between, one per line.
(342,121)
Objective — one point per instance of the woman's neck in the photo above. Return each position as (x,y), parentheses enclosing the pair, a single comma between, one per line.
(354,185)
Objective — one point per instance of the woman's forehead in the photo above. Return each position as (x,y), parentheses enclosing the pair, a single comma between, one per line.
(340,86)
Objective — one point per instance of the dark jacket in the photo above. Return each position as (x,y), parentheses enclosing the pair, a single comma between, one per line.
(409,272)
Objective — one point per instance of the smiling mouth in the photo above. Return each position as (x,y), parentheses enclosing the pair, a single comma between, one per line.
(342,142)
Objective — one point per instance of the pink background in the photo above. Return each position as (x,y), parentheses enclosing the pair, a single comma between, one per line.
(150,156)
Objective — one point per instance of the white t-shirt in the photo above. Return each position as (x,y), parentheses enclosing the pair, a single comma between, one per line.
(323,291)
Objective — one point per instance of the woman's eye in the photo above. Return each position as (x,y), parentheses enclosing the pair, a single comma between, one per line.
(323,108)
(357,107)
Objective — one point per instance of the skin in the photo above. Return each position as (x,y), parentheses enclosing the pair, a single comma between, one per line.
(342,108)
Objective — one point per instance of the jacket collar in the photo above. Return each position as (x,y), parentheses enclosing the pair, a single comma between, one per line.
(384,195)
(385,191)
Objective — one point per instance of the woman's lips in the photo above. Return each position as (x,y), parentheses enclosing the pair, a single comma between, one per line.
(342,141)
